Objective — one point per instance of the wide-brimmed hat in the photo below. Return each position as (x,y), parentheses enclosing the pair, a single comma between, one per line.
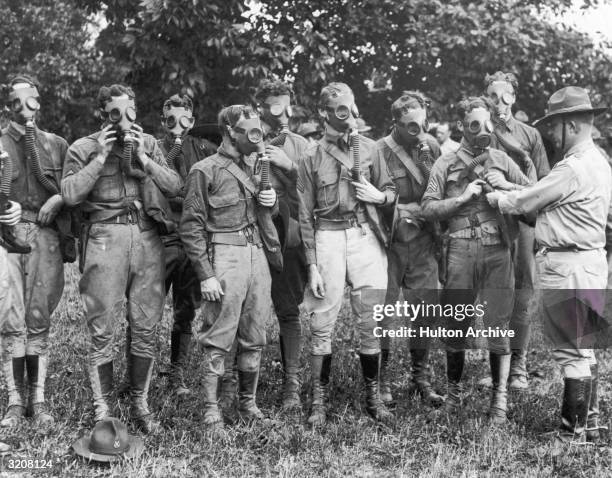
(571,99)
(108,441)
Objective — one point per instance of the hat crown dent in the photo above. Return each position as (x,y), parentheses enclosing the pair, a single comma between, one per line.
(109,437)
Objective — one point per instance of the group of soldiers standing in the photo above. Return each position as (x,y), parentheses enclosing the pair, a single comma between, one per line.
(268,221)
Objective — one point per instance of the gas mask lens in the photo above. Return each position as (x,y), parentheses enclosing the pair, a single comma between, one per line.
(32,103)
(506,98)
(476,127)
(277,110)
(255,135)
(115,115)
(342,112)
(185,122)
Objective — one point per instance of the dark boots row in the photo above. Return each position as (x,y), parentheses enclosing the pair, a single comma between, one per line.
(15,370)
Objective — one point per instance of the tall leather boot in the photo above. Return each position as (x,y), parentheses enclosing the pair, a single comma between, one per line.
(500,368)
(123,390)
(574,410)
(385,381)
(290,354)
(179,353)
(36,366)
(455,360)
(518,370)
(101,378)
(140,378)
(8,239)
(213,371)
(247,392)
(229,380)
(593,428)
(320,371)
(420,377)
(374,405)
(14,376)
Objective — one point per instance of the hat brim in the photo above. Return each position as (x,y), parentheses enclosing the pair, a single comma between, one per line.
(568,111)
(81,448)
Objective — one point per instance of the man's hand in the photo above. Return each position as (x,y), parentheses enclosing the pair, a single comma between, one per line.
(473,190)
(497,180)
(211,289)
(138,150)
(279,158)
(50,209)
(105,142)
(366,192)
(267,197)
(317,287)
(12,215)
(493,198)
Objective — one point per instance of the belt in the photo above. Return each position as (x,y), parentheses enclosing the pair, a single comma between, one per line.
(324,224)
(545,250)
(250,234)
(129,217)
(472,221)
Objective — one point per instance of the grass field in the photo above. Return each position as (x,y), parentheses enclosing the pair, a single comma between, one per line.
(419,444)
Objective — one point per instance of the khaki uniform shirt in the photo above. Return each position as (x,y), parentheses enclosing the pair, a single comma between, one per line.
(572,201)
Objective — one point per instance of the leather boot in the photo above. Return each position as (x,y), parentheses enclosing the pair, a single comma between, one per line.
(500,368)
(385,382)
(420,377)
(454,371)
(374,405)
(8,239)
(140,378)
(247,392)
(212,372)
(320,371)
(101,378)
(229,381)
(179,354)
(14,376)
(574,410)
(123,390)
(290,354)
(593,429)
(36,366)
(518,370)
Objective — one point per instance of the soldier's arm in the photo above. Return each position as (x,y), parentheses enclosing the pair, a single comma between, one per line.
(168,180)
(80,175)
(549,190)
(306,190)
(538,156)
(516,176)
(381,178)
(192,228)
(434,206)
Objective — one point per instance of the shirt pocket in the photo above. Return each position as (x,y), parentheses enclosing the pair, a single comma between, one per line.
(327,189)
(109,186)
(226,209)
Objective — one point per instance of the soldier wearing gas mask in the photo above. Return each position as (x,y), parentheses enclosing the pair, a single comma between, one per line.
(182,151)
(524,145)
(36,279)
(112,175)
(409,153)
(478,258)
(342,183)
(227,232)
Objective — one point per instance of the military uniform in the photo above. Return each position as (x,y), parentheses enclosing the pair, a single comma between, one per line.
(36,280)
(122,256)
(525,299)
(573,205)
(478,262)
(220,233)
(344,240)
(413,266)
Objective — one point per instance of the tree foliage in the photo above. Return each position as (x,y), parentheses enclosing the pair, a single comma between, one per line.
(218,50)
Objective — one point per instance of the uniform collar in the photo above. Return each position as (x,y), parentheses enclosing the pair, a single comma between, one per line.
(336,137)
(580,148)
(16,131)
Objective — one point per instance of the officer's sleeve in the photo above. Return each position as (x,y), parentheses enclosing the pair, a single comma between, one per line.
(80,174)
(548,191)
(306,191)
(192,228)
(434,206)
(538,155)
(516,176)
(381,178)
(168,180)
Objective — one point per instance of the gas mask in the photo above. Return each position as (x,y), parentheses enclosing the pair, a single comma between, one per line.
(341,112)
(178,121)
(501,94)
(477,129)
(249,137)
(121,113)
(276,110)
(412,126)
(24,103)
